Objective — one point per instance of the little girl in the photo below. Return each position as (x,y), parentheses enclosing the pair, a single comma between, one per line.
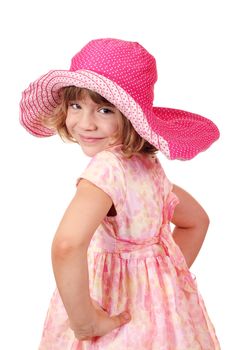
(122,276)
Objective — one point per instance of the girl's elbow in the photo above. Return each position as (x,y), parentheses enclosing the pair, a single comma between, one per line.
(207,220)
(204,220)
(62,248)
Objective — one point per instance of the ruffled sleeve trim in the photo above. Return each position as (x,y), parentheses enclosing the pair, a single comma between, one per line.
(170,204)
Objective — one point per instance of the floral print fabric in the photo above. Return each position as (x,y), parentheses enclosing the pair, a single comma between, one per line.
(134,264)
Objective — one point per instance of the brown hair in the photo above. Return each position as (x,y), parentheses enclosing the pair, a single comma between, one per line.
(132,142)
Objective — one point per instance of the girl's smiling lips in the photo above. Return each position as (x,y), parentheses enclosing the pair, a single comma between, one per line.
(90,139)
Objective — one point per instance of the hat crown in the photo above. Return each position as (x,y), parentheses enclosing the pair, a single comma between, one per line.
(126,63)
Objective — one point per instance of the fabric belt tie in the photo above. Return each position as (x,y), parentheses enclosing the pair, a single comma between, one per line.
(165,240)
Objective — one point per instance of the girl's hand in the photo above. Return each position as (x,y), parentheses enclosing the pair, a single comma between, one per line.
(102,324)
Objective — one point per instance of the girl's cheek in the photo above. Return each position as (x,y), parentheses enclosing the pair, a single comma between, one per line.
(67,124)
(69,121)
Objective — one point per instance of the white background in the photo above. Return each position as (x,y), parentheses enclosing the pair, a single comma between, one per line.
(192,43)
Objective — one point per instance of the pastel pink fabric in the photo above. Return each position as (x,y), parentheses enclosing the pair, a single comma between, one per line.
(124,73)
(134,264)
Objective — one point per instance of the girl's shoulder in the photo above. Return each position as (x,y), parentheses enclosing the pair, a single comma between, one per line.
(105,170)
(114,157)
(107,164)
(110,156)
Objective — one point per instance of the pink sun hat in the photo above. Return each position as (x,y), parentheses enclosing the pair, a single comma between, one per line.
(124,73)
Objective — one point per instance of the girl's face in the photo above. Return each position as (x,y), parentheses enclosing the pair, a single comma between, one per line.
(92,125)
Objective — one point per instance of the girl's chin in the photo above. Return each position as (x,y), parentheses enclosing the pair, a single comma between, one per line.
(90,154)
(91,151)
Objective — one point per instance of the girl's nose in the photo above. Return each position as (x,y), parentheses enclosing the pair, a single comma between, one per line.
(86,121)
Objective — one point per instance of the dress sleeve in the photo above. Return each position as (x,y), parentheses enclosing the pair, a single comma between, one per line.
(105,171)
(170,198)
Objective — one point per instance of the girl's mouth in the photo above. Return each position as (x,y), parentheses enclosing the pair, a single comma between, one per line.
(90,139)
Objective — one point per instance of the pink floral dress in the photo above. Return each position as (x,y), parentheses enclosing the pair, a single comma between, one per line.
(135,264)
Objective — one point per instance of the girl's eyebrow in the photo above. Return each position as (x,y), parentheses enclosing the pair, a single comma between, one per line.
(108,104)
(99,104)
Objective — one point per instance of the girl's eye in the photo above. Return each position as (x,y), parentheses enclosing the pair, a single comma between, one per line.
(105,110)
(74,105)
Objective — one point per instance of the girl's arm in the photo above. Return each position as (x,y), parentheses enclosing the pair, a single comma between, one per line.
(191,225)
(69,257)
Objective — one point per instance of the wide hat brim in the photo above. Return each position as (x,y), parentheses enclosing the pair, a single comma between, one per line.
(176,133)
